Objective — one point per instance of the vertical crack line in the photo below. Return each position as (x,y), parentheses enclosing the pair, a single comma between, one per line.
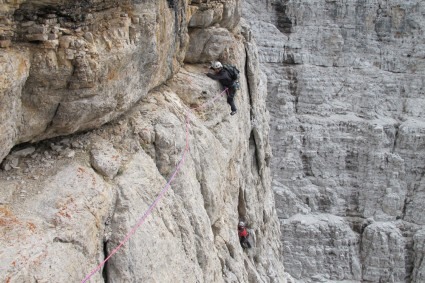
(248,83)
(397,128)
(293,87)
(105,255)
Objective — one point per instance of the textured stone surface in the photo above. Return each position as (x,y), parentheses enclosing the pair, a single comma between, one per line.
(75,66)
(51,226)
(165,241)
(346,97)
(104,158)
(193,227)
(383,253)
(72,199)
(208,44)
(313,243)
(418,248)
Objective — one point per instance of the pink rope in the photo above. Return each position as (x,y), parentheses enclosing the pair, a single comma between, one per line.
(158,198)
(211,100)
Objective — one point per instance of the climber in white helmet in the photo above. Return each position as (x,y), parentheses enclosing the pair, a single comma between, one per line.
(227,75)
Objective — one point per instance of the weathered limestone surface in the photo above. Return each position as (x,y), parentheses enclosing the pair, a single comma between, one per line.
(75,66)
(383,253)
(346,85)
(418,248)
(50,226)
(312,243)
(68,201)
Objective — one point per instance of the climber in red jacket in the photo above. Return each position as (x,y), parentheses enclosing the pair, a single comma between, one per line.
(243,235)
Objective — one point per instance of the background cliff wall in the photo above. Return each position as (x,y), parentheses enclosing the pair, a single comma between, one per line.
(346,85)
(105,88)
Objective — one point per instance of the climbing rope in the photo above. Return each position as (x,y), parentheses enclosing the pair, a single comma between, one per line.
(160,195)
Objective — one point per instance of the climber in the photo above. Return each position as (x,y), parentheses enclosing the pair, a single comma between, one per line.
(227,75)
(243,235)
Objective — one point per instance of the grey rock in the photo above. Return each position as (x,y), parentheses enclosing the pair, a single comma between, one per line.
(5,43)
(75,195)
(37,29)
(419,252)
(37,37)
(208,44)
(311,241)
(24,152)
(207,17)
(104,158)
(383,253)
(69,153)
(193,225)
(79,82)
(345,87)
(14,162)
(72,217)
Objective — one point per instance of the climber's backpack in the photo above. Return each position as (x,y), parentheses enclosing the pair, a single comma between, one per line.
(234,74)
(233,71)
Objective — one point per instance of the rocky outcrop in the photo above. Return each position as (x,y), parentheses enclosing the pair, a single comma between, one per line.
(130,77)
(345,94)
(383,253)
(73,67)
(312,243)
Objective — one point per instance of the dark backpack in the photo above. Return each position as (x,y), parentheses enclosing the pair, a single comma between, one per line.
(233,71)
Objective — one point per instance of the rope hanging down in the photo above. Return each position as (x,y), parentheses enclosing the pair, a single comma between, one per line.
(160,195)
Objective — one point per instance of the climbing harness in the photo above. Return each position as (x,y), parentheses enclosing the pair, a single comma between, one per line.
(160,195)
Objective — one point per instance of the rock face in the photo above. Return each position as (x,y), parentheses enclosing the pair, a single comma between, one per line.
(68,201)
(73,67)
(346,82)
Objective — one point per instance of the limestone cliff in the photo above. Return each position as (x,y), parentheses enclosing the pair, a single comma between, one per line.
(94,100)
(346,82)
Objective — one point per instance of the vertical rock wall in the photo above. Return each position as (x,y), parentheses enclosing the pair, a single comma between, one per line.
(346,82)
(67,202)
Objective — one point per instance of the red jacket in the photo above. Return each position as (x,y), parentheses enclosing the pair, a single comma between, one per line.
(242,232)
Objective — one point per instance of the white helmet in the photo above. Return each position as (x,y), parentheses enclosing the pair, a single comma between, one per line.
(216,65)
(241,224)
